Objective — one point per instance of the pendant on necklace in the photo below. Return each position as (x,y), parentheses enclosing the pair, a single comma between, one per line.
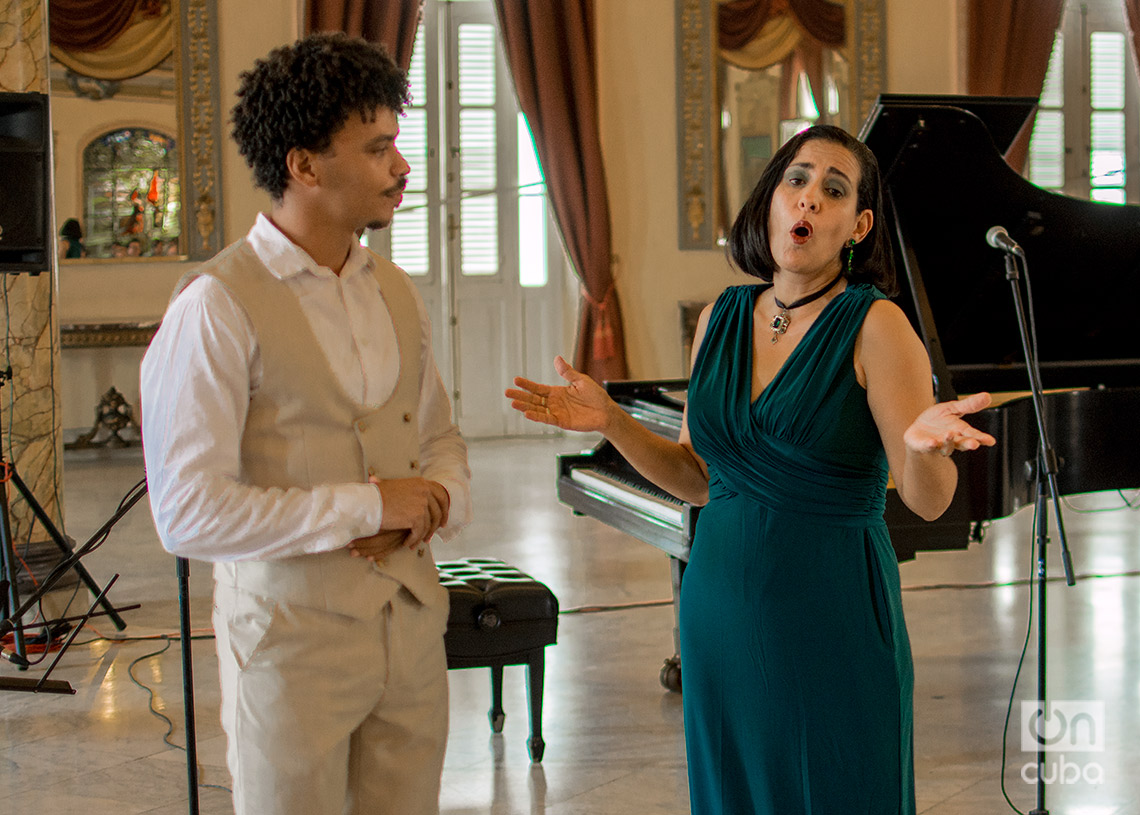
(779,325)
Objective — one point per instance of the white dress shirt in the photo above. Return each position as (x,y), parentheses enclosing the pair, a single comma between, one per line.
(197,378)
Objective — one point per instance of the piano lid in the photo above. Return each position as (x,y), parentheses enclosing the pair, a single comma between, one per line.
(946,184)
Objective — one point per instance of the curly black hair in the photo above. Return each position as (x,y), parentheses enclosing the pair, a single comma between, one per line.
(301,94)
(874,259)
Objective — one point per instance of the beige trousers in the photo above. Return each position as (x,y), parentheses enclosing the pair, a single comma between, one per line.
(330,715)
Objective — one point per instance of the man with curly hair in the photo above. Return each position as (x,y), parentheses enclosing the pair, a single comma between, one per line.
(298,435)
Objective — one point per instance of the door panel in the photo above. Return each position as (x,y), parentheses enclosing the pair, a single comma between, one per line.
(458,233)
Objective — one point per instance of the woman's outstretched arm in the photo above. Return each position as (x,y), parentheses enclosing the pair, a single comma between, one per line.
(582,404)
(918,435)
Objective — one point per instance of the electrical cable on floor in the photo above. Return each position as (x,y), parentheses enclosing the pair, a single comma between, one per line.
(150,692)
(1017,673)
(1021,581)
(1132,503)
(988,584)
(150,701)
(614,607)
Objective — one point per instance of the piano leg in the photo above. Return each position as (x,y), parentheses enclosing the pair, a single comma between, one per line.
(671,670)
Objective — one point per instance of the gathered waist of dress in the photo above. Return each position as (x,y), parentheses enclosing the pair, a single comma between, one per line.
(830,513)
(834,498)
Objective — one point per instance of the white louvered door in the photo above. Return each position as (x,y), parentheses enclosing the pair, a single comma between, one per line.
(474,230)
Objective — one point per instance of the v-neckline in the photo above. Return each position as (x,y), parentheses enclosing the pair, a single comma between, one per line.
(752,403)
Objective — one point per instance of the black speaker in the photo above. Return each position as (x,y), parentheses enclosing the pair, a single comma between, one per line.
(25,220)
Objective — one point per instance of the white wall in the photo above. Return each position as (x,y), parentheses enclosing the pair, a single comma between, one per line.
(925,45)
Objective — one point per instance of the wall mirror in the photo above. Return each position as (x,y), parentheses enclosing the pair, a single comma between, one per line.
(750,74)
(136,130)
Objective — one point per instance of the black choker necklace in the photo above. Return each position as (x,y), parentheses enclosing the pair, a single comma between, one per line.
(782,320)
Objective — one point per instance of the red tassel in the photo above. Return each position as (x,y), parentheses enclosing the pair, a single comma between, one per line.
(603,339)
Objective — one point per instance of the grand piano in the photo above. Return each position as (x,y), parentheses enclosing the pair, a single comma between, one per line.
(946,184)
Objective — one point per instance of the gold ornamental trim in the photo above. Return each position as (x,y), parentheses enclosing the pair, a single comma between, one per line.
(198,61)
(106,335)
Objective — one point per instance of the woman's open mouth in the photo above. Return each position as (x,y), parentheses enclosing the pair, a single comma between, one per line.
(801,232)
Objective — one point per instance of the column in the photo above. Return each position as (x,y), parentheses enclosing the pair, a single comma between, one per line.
(30,428)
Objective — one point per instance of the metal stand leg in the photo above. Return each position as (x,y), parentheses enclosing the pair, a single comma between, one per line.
(188,683)
(11,600)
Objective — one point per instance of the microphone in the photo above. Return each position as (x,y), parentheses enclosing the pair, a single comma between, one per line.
(998,238)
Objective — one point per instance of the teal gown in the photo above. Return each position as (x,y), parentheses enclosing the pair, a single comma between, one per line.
(798,679)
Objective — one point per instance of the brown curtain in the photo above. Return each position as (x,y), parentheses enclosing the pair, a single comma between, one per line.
(1009,42)
(89,25)
(392,23)
(806,59)
(550,49)
(738,21)
(1132,10)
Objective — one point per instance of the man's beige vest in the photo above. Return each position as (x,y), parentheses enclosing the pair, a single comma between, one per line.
(303,431)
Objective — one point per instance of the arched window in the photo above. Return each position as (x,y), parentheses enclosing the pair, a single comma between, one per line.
(131,194)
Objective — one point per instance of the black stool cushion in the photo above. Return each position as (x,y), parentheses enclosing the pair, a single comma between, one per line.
(496,610)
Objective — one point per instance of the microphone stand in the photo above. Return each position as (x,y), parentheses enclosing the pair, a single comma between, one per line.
(1045,474)
(183,568)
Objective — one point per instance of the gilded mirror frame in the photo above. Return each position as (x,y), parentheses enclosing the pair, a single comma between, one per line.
(196,99)
(698,125)
(199,124)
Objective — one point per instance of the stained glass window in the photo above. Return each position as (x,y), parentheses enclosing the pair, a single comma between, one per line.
(132,194)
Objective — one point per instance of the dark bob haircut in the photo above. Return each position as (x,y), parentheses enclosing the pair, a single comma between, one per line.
(301,94)
(748,241)
(71,230)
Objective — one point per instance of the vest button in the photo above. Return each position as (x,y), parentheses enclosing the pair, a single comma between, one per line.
(361,426)
(407,417)
(415,465)
(420,552)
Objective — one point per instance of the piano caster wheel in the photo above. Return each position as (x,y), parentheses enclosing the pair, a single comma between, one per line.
(671,674)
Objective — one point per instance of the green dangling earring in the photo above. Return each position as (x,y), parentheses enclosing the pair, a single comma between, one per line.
(850,256)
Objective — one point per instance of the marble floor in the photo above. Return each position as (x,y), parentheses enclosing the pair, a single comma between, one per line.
(614,735)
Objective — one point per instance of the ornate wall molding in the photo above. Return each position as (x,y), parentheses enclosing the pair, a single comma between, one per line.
(698,120)
(869,56)
(696,125)
(200,117)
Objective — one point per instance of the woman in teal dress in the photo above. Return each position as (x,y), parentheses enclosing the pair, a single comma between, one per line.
(805,389)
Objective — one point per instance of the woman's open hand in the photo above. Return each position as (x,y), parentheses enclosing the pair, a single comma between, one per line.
(940,428)
(582,404)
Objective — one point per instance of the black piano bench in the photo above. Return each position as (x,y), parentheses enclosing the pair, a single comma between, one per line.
(500,616)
